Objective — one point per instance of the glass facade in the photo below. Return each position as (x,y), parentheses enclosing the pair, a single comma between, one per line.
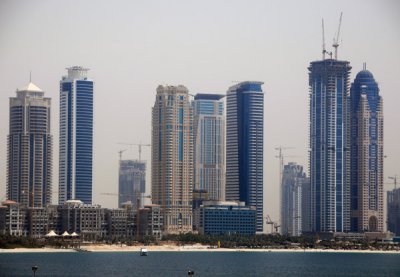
(244,146)
(132,182)
(330,145)
(76,136)
(227,219)
(209,145)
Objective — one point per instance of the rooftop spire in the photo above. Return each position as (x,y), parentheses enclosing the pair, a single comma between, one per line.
(364,66)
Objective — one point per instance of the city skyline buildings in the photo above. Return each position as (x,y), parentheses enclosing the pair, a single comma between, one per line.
(211,69)
(245,146)
(30,146)
(209,145)
(76,136)
(172,157)
(329,156)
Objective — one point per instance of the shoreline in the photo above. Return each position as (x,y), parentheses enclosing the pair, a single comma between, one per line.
(185,248)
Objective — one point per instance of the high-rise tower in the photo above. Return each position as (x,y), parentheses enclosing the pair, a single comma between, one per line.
(209,145)
(132,182)
(366,154)
(76,136)
(330,145)
(29,169)
(293,179)
(172,157)
(245,146)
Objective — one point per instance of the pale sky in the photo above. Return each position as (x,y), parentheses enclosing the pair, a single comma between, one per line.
(133,46)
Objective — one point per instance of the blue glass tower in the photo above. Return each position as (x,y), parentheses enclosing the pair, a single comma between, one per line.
(329,145)
(366,154)
(76,136)
(244,146)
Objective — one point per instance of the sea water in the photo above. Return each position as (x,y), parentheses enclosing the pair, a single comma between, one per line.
(201,263)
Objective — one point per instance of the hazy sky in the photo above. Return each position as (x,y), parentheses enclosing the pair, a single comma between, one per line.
(133,46)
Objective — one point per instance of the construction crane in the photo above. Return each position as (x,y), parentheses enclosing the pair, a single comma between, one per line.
(336,40)
(281,157)
(120,153)
(139,146)
(323,43)
(274,225)
(323,40)
(394,180)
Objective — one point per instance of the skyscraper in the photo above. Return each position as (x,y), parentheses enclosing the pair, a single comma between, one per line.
(366,154)
(393,211)
(132,182)
(172,157)
(244,146)
(306,225)
(30,146)
(76,136)
(209,145)
(293,178)
(330,145)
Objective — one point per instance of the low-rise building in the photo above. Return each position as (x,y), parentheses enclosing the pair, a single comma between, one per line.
(117,223)
(12,219)
(223,217)
(38,222)
(83,219)
(150,222)
(88,221)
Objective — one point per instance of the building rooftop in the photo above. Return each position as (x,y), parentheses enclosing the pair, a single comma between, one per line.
(8,202)
(364,74)
(247,86)
(208,96)
(31,87)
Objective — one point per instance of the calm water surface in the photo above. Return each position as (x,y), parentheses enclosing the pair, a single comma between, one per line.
(202,263)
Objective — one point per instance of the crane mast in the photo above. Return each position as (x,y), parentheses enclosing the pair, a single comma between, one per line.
(323,40)
(336,40)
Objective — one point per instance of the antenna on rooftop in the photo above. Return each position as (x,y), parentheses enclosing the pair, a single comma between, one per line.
(30,76)
(336,40)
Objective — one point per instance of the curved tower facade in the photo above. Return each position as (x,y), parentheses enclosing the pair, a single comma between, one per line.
(366,154)
(76,136)
(245,146)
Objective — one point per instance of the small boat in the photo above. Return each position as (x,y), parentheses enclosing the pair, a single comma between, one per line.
(143,252)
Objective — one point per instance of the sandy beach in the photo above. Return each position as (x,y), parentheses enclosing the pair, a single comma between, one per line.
(183,248)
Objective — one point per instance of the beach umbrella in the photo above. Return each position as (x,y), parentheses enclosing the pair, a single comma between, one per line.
(65,234)
(51,234)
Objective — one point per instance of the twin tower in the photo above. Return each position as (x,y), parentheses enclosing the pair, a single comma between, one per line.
(30,143)
(346,149)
